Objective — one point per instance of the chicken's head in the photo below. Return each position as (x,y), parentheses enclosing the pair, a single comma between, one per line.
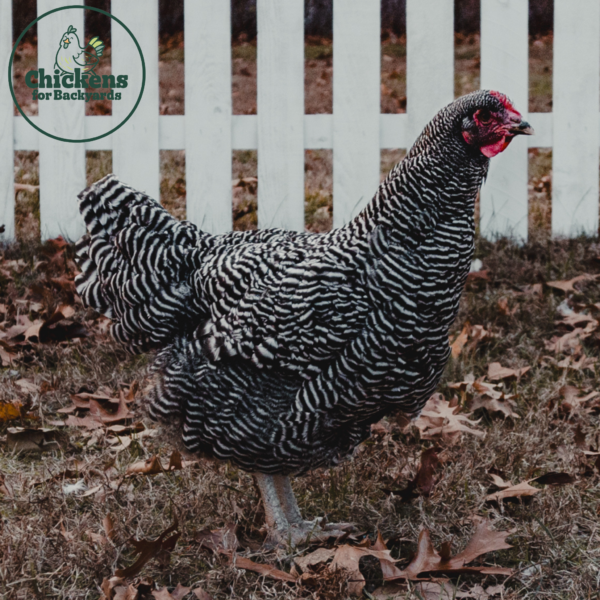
(70,37)
(493,123)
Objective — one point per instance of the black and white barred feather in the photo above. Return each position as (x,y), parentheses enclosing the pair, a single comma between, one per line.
(276,349)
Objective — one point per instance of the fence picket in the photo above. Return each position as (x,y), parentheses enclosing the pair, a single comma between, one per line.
(504,67)
(136,159)
(208,114)
(280,108)
(575,115)
(356,105)
(429,61)
(7,191)
(61,164)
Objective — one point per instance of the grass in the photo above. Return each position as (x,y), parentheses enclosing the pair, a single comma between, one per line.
(46,542)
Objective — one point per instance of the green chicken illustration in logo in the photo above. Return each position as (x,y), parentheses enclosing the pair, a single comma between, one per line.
(71,55)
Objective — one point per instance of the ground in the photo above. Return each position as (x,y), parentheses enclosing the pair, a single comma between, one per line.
(74,487)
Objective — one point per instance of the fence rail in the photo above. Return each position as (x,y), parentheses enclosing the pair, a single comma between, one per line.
(356,131)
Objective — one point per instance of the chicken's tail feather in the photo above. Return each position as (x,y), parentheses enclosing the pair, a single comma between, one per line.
(136,264)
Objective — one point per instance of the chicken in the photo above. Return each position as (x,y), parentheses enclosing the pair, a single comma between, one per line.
(71,55)
(277,350)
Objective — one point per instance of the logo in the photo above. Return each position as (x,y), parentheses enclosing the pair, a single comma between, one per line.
(71,75)
(72,55)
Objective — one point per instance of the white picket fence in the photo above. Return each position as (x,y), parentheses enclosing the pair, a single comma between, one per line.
(356,131)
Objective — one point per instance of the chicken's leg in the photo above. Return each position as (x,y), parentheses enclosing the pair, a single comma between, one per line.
(287,499)
(274,513)
(283,515)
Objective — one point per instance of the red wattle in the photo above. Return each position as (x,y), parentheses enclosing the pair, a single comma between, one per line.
(496,148)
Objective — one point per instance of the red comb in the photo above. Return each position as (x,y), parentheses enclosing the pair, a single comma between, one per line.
(505,101)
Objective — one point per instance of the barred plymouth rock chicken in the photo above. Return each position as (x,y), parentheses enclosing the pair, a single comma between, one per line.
(277,350)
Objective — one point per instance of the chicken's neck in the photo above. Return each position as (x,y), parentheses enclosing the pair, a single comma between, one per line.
(423,190)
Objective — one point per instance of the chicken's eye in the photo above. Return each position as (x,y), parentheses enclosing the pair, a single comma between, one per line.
(484,116)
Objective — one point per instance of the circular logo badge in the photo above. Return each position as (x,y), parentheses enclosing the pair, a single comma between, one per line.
(71,74)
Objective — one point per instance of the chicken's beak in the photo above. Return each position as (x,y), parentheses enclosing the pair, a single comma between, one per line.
(66,41)
(523,128)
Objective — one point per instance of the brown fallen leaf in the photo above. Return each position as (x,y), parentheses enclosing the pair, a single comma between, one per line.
(201,594)
(380,428)
(584,362)
(98,412)
(109,527)
(152,466)
(4,487)
(108,585)
(97,538)
(241,562)
(438,590)
(478,593)
(132,391)
(148,549)
(569,285)
(244,182)
(428,560)
(175,463)
(347,558)
(496,372)
(180,591)
(222,540)
(9,411)
(27,386)
(459,342)
(573,401)
(24,439)
(475,276)
(579,437)
(26,187)
(570,342)
(165,595)
(503,405)
(439,419)
(86,422)
(485,540)
(92,491)
(520,490)
(574,318)
(125,592)
(503,307)
(468,339)
(8,354)
(424,480)
(317,557)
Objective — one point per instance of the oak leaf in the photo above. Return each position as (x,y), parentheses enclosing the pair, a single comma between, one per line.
(520,490)
(459,342)
(241,562)
(148,549)
(569,285)
(573,401)
(428,559)
(497,372)
(438,418)
(177,594)
(9,411)
(223,540)
(319,556)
